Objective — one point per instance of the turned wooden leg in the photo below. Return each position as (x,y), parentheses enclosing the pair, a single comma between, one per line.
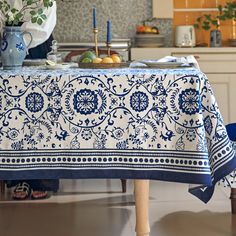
(123,183)
(2,186)
(233,200)
(141,192)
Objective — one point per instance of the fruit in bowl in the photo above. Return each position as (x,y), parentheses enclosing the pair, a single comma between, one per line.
(155,30)
(89,60)
(97,60)
(116,58)
(148,29)
(140,29)
(144,29)
(90,57)
(87,57)
(107,60)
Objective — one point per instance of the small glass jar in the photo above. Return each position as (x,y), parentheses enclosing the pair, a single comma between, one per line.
(53,55)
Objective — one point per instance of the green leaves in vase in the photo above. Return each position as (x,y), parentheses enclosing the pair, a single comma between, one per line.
(226,12)
(36,9)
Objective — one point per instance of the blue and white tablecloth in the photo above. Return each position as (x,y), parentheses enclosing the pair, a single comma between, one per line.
(119,123)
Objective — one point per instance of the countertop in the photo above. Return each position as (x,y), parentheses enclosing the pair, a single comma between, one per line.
(191,49)
(156,53)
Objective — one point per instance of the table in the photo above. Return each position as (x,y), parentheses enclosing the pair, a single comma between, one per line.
(141,124)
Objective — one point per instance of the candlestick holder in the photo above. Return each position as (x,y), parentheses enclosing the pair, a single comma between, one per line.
(109,49)
(95,31)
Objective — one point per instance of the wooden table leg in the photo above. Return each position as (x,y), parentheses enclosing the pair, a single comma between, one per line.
(233,200)
(123,183)
(141,192)
(2,186)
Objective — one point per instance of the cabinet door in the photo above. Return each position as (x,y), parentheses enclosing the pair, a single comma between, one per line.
(162,9)
(224,89)
(213,62)
(149,53)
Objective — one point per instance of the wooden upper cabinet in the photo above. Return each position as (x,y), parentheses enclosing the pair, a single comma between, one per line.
(162,9)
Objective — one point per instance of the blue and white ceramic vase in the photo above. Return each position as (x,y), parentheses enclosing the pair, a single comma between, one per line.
(215,40)
(13,48)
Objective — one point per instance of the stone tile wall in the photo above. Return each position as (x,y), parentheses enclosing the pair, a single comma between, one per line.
(74,23)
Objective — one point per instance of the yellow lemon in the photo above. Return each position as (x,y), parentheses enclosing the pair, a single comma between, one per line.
(107,60)
(115,58)
(97,60)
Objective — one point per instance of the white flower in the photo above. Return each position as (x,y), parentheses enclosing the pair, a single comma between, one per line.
(11,16)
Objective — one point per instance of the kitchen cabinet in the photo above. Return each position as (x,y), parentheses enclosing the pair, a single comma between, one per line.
(219,64)
(162,9)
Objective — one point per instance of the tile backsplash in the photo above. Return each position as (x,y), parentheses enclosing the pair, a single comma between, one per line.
(74,22)
(186,12)
(74,19)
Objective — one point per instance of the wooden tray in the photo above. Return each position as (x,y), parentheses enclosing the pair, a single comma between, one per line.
(103,65)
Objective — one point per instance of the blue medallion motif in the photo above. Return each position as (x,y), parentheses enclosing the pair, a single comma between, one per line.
(189,101)
(191,135)
(20,47)
(34,102)
(13,134)
(139,101)
(86,134)
(85,101)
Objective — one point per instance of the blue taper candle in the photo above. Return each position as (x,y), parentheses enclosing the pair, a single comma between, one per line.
(109,31)
(94,18)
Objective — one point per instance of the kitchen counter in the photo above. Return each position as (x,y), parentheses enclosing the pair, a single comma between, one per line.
(156,53)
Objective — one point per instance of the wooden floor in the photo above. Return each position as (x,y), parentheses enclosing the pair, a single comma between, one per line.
(99,208)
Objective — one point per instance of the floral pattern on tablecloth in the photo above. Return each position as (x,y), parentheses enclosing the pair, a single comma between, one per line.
(130,123)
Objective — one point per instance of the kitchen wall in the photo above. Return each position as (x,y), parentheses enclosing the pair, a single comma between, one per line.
(186,12)
(74,23)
